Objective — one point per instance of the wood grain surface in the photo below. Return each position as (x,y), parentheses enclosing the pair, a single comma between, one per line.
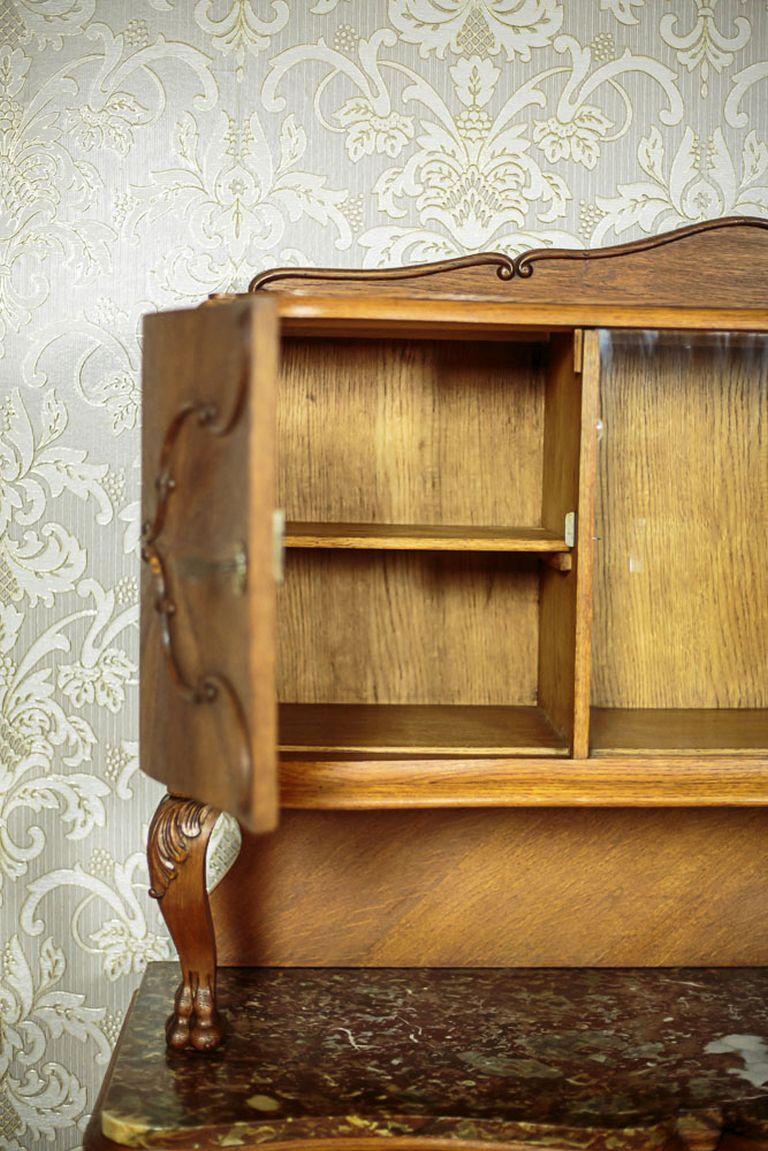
(208,715)
(423,537)
(568,482)
(408,628)
(394,431)
(718,264)
(700,731)
(377,782)
(367,316)
(500,888)
(585,543)
(412,729)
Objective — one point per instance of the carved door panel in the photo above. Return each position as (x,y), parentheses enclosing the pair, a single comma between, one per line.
(208,704)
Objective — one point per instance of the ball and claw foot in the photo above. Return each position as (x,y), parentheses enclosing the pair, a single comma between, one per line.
(195,1024)
(178,841)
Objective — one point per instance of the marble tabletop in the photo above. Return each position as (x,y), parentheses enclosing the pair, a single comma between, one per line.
(599,1059)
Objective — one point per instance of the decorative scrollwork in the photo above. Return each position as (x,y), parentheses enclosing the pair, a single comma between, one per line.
(207,687)
(175,824)
(504,270)
(524,264)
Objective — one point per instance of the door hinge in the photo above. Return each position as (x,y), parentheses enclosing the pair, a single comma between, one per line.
(198,568)
(569,529)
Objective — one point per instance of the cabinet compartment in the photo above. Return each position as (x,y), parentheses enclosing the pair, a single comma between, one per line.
(421,652)
(400,462)
(681,591)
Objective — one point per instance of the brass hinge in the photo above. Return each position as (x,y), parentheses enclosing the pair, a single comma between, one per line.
(197,568)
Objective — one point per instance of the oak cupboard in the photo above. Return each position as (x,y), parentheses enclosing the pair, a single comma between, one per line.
(455,585)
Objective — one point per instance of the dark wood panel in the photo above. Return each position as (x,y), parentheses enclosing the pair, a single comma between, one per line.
(712,265)
(500,888)
(207,636)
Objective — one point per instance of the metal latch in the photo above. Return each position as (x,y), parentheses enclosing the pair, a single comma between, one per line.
(278,544)
(569,529)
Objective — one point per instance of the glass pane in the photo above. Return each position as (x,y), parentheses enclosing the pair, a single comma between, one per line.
(681,592)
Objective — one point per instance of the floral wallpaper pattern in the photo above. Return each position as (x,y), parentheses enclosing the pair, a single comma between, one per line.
(154,151)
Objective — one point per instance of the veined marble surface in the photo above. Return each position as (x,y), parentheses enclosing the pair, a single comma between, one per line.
(600,1059)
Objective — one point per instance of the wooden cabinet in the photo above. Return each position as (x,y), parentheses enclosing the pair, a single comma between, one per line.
(485,535)
(430,481)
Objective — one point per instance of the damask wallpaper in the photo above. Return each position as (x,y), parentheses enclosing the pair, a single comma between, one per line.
(153,151)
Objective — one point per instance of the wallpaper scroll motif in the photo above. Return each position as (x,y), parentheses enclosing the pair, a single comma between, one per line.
(154,151)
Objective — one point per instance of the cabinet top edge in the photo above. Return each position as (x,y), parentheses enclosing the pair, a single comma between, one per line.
(372,315)
(335,315)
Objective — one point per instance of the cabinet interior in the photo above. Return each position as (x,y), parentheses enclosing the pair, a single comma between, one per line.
(420,528)
(680,645)
(434,603)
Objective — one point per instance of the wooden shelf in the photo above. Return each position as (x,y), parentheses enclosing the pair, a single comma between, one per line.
(653,731)
(422,537)
(393,729)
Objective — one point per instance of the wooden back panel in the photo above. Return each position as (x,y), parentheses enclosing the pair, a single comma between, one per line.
(411,431)
(408,628)
(497,888)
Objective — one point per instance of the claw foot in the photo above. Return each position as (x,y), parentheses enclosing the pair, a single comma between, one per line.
(178,841)
(195,1023)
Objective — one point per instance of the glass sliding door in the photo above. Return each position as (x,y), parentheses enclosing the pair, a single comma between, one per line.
(680,655)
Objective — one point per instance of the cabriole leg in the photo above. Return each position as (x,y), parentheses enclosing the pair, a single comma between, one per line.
(178,840)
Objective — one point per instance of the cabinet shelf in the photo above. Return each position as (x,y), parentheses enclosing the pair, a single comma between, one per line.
(394,729)
(422,537)
(679,731)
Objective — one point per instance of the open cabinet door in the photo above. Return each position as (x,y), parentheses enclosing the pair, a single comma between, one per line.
(208,702)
